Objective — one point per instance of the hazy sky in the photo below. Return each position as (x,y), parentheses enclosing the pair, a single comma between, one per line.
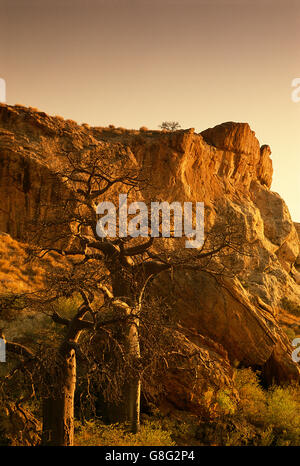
(138,62)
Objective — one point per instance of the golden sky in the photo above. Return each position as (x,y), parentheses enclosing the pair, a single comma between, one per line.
(135,63)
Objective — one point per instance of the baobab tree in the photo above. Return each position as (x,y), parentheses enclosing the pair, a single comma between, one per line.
(170,125)
(122,269)
(52,369)
(54,377)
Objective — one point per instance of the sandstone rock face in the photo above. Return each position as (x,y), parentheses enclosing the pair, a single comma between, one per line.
(204,166)
(240,141)
(221,310)
(297,228)
(27,186)
(180,388)
(19,427)
(224,166)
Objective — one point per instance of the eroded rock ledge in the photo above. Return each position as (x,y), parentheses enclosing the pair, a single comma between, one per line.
(225,165)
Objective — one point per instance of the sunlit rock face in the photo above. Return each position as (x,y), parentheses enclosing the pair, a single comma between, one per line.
(224,166)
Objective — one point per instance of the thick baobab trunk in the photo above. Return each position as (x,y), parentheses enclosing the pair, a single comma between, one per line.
(129,411)
(133,386)
(58,411)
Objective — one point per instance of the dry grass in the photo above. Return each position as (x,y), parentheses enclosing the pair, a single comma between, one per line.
(16,275)
(97,434)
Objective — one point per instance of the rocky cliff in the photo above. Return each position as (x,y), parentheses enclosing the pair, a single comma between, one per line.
(242,320)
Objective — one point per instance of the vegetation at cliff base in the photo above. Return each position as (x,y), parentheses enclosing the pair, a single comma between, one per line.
(260,417)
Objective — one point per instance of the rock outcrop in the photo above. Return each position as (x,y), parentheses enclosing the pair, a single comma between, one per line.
(19,427)
(225,167)
(297,263)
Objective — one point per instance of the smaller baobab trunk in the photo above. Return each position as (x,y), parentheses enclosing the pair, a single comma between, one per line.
(133,386)
(130,408)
